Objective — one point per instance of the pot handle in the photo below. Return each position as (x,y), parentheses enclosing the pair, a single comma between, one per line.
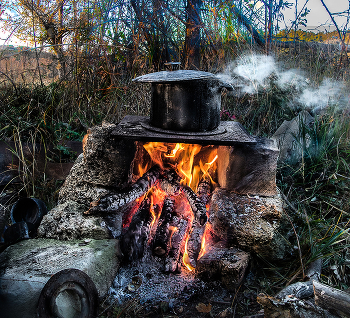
(228,86)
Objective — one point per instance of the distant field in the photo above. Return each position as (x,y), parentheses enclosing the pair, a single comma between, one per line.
(24,65)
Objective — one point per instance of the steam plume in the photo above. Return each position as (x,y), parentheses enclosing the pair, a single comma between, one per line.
(252,73)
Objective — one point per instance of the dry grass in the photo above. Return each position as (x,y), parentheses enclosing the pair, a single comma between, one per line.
(100,89)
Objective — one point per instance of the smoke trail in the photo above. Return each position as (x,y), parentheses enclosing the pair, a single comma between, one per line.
(252,73)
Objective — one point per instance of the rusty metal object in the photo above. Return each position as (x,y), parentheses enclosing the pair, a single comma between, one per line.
(68,287)
(230,133)
(185,100)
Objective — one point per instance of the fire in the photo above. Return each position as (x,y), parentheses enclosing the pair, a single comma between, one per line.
(172,230)
(192,163)
(157,197)
(205,240)
(185,258)
(186,159)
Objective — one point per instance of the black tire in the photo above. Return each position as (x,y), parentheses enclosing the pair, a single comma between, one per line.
(30,210)
(17,232)
(72,280)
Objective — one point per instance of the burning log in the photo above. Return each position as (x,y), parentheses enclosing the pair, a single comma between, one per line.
(197,206)
(177,239)
(170,184)
(112,202)
(134,240)
(194,243)
(161,239)
(204,190)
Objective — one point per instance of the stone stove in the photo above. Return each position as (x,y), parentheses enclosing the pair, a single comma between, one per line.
(244,211)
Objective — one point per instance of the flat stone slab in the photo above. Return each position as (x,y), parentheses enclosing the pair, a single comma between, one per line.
(26,267)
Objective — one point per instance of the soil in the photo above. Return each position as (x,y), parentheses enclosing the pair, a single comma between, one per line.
(210,299)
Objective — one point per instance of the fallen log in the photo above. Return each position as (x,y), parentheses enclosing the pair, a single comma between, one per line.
(133,241)
(330,298)
(112,202)
(292,308)
(160,243)
(302,290)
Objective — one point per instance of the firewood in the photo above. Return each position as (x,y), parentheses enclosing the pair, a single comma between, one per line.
(204,190)
(330,298)
(194,243)
(197,206)
(170,182)
(199,201)
(134,239)
(112,202)
(170,185)
(178,226)
(161,238)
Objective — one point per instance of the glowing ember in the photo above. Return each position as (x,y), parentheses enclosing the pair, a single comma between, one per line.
(205,240)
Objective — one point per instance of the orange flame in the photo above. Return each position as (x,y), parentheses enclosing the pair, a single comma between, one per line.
(192,162)
(185,258)
(205,240)
(172,230)
(183,158)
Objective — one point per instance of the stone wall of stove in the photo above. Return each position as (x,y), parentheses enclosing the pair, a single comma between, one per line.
(245,211)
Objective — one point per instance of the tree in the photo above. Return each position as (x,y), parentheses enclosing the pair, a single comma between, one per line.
(191,54)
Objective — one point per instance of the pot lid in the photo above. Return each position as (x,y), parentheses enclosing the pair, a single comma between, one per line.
(174,76)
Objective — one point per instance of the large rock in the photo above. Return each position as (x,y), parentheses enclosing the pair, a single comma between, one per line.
(254,224)
(249,168)
(292,137)
(227,264)
(106,162)
(27,266)
(67,222)
(78,190)
(107,158)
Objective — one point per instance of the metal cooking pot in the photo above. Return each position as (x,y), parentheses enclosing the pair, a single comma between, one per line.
(185,100)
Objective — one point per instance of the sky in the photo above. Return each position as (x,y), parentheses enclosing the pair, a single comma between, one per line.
(317,16)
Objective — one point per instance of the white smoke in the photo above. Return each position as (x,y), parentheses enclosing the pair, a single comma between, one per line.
(329,92)
(251,73)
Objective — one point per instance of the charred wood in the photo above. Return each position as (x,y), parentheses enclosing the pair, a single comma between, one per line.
(197,206)
(112,202)
(134,239)
(199,201)
(204,190)
(170,184)
(160,244)
(178,228)
(194,243)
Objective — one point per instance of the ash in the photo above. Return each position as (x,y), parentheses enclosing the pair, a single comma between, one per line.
(146,281)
